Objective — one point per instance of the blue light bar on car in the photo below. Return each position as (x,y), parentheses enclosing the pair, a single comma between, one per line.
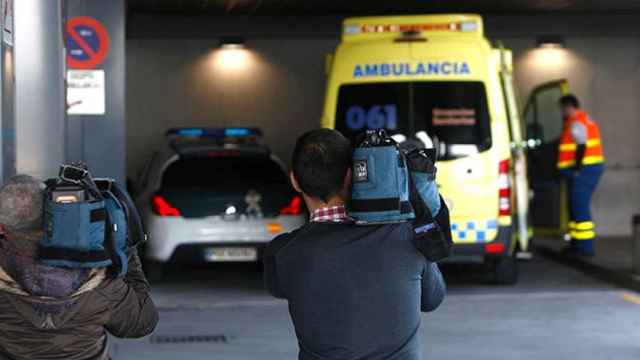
(235,132)
(189,132)
(215,133)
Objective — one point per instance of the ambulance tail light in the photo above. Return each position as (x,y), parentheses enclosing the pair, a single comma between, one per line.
(162,207)
(494,248)
(293,208)
(504,189)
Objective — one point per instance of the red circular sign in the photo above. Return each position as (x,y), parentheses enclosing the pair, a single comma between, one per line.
(87,42)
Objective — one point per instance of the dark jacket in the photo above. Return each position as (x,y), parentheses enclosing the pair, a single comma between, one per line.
(354,292)
(51,313)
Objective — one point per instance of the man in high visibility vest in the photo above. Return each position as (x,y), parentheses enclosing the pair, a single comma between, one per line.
(581,163)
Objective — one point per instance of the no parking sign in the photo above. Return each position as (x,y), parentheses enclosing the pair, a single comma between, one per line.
(87,43)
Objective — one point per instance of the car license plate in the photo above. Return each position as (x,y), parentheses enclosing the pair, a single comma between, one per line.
(221,254)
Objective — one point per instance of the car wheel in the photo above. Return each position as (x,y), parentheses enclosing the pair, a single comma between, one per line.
(506,271)
(154,271)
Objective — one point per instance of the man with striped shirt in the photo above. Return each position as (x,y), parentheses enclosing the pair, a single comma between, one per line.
(354,292)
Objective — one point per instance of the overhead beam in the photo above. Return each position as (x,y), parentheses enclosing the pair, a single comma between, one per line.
(167,26)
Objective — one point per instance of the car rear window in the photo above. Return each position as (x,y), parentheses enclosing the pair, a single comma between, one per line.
(205,186)
(455,113)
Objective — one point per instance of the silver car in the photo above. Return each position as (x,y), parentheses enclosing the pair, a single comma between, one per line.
(214,195)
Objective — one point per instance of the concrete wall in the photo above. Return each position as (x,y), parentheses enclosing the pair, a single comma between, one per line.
(605,74)
(279,86)
(176,82)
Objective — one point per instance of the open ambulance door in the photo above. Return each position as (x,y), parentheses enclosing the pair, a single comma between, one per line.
(543,126)
(520,181)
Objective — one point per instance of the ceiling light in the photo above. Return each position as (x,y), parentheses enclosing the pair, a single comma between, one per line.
(232,42)
(550,42)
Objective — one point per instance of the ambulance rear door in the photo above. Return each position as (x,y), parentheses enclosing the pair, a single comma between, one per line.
(544,124)
(518,146)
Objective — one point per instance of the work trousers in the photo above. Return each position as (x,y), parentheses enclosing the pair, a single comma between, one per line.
(581,185)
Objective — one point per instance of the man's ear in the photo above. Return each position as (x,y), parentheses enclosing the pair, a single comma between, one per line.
(294,182)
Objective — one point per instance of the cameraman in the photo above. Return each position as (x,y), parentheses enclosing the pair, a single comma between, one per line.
(354,292)
(59,313)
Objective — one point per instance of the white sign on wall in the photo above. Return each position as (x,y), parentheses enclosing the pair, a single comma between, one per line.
(7,22)
(86,92)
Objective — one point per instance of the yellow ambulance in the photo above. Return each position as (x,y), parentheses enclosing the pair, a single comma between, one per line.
(438,77)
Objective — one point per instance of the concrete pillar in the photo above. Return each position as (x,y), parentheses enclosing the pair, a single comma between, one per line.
(39,87)
(37,134)
(7,91)
(32,91)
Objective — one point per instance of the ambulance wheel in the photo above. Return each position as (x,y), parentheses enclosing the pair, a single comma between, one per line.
(506,271)
(154,271)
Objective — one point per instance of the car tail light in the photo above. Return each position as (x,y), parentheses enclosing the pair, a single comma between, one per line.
(504,189)
(162,207)
(293,208)
(494,248)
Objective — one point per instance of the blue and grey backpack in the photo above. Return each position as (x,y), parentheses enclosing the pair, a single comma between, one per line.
(396,183)
(89,223)
(380,192)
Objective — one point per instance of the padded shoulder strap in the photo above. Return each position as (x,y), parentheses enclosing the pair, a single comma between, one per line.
(111,247)
(137,233)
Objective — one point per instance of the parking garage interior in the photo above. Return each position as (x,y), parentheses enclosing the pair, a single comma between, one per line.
(169,66)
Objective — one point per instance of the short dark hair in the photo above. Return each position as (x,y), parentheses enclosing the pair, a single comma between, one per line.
(22,203)
(321,159)
(569,100)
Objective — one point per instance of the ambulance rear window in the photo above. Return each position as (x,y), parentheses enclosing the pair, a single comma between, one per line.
(455,113)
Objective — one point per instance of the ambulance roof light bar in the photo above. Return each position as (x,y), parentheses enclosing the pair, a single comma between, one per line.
(466,26)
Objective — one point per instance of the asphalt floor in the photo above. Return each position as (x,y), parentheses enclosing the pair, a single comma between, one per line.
(554,312)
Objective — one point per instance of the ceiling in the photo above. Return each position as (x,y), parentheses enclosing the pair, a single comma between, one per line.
(369,7)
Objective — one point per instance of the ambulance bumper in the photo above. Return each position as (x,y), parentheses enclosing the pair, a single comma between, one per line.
(478,253)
